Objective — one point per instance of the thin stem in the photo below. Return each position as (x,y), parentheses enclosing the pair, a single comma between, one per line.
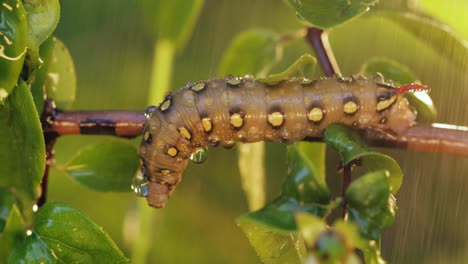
(318,40)
(50,140)
(346,182)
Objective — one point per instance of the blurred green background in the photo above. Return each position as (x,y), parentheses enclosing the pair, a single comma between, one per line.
(113,54)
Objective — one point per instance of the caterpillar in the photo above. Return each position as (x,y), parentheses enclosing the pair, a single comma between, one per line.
(223,111)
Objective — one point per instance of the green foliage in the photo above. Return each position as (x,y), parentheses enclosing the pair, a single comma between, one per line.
(392,70)
(371,205)
(12,234)
(435,34)
(32,250)
(109,166)
(171,20)
(7,200)
(303,67)
(14,32)
(351,147)
(73,237)
(329,13)
(249,53)
(42,18)
(23,153)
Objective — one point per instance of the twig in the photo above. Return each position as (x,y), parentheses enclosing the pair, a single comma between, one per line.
(318,40)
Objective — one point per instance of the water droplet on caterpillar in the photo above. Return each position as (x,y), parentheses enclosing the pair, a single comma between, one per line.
(149,111)
(140,186)
(200,155)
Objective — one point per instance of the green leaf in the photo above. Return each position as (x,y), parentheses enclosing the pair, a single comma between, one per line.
(172,20)
(22,151)
(350,147)
(310,227)
(421,101)
(40,74)
(370,203)
(7,200)
(249,53)
(329,13)
(12,235)
(303,67)
(438,36)
(32,250)
(14,33)
(42,17)
(109,166)
(273,247)
(60,81)
(73,237)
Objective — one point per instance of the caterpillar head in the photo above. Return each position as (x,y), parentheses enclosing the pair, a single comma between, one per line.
(391,99)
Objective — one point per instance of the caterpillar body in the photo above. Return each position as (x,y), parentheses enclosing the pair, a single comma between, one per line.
(223,111)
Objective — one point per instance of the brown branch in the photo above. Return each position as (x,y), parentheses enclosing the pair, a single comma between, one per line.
(318,40)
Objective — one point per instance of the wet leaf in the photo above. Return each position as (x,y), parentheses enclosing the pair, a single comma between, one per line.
(32,250)
(438,36)
(303,67)
(7,200)
(12,234)
(272,246)
(329,13)
(392,70)
(73,237)
(370,204)
(60,80)
(350,146)
(109,166)
(42,17)
(172,20)
(22,151)
(14,33)
(40,74)
(249,53)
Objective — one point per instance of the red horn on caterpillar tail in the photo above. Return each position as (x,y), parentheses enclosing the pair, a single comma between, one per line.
(223,111)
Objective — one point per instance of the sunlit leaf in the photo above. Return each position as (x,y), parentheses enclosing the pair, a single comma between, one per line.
(392,70)
(272,246)
(12,235)
(303,67)
(42,17)
(7,200)
(73,237)
(370,203)
(438,36)
(60,79)
(329,13)
(249,53)
(109,166)
(350,147)
(172,20)
(22,151)
(14,34)
(32,250)
(40,74)
(310,226)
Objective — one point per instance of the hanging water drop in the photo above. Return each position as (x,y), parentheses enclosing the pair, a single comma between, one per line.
(140,186)
(149,111)
(200,155)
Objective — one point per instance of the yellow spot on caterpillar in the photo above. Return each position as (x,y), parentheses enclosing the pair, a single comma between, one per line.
(141,162)
(172,151)
(384,104)
(276,119)
(315,115)
(198,87)
(165,172)
(147,136)
(234,81)
(184,133)
(206,123)
(236,120)
(350,107)
(165,105)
